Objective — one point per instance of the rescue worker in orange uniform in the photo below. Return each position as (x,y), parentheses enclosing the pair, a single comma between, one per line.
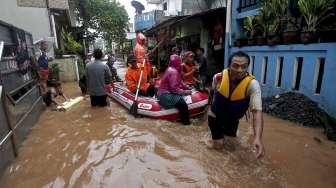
(133,75)
(140,52)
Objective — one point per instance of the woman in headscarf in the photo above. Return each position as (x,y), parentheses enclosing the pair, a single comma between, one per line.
(172,89)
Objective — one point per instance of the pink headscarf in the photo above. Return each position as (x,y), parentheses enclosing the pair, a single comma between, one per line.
(175,62)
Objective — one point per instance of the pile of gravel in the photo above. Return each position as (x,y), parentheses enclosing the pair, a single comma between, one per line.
(298,108)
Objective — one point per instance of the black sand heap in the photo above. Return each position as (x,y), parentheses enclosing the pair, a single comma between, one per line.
(298,108)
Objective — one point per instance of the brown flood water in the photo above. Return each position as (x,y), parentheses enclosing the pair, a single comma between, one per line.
(106,147)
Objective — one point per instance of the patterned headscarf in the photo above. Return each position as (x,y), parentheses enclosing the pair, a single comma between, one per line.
(175,62)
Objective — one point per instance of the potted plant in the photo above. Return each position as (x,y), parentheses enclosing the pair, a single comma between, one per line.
(264,19)
(314,12)
(251,29)
(277,20)
(273,36)
(292,26)
(240,40)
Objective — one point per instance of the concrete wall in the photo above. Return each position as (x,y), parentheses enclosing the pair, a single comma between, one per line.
(32,3)
(311,55)
(59,4)
(31,19)
(68,69)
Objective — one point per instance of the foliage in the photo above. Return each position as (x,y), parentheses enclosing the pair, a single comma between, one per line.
(103,18)
(54,72)
(278,8)
(250,26)
(270,15)
(265,17)
(315,11)
(71,46)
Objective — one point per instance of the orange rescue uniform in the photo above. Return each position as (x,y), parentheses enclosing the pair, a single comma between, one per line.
(132,77)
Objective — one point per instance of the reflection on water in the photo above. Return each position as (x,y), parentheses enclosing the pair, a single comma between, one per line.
(106,147)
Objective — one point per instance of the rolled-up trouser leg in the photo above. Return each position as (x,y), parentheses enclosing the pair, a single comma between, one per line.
(215,128)
(182,106)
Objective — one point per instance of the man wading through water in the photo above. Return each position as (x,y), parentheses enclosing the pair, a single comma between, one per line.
(234,91)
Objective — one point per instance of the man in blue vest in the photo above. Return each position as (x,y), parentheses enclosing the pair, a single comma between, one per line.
(234,91)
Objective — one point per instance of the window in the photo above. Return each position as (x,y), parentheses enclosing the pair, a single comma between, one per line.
(264,70)
(297,73)
(251,66)
(279,72)
(165,6)
(319,70)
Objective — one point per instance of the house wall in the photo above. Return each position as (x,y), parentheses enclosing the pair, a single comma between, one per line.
(144,21)
(192,7)
(310,54)
(68,69)
(32,19)
(217,4)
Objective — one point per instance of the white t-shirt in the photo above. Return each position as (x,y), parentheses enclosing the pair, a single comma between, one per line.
(253,91)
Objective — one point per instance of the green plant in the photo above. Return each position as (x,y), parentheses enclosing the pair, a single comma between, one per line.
(250,26)
(265,17)
(70,44)
(54,72)
(314,12)
(278,8)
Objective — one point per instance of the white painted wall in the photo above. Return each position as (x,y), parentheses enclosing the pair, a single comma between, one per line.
(33,20)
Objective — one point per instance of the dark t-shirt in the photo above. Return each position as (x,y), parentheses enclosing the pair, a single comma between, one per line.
(43,61)
(202,62)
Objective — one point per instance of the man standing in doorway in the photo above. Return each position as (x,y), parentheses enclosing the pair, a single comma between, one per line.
(234,91)
(202,64)
(98,76)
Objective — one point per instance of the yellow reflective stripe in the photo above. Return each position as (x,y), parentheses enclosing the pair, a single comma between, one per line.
(224,87)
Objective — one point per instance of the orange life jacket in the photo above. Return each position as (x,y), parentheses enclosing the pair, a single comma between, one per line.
(186,69)
(132,77)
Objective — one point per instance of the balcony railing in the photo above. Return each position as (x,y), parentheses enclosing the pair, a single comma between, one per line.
(245,5)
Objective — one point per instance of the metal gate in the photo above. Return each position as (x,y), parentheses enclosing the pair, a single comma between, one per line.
(21,102)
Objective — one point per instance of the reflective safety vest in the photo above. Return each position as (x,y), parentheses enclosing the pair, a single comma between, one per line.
(231,106)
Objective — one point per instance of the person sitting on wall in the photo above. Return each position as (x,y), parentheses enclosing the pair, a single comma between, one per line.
(190,69)
(132,78)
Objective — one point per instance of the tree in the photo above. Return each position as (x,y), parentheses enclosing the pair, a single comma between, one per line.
(102,18)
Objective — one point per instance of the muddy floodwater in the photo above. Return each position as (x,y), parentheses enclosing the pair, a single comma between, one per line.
(106,147)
